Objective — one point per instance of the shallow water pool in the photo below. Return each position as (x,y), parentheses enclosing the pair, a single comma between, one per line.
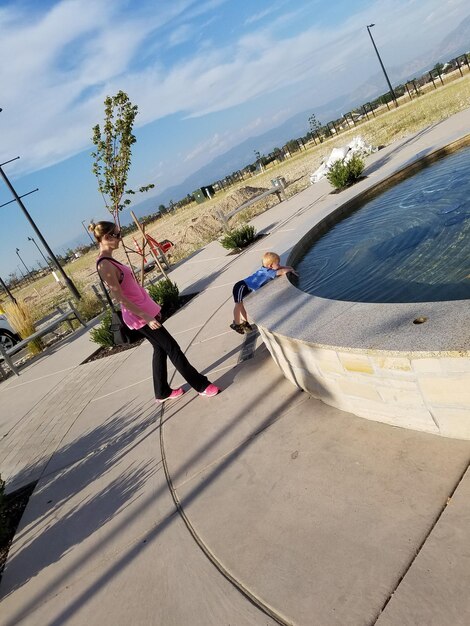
(409,244)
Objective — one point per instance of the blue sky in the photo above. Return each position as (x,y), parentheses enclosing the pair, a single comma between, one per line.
(206,75)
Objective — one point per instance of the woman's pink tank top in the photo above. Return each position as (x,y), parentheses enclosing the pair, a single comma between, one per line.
(136,294)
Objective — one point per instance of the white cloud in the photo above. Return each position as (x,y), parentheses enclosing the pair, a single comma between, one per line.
(210,147)
(62,64)
(201,8)
(256,17)
(48,119)
(180,35)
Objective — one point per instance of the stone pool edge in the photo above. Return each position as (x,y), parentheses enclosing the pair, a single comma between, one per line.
(370,359)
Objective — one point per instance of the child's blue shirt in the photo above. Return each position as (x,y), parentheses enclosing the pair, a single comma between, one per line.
(260,278)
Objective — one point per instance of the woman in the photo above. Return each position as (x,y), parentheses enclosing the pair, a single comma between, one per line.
(141,313)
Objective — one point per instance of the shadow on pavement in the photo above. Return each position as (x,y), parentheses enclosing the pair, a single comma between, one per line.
(47,534)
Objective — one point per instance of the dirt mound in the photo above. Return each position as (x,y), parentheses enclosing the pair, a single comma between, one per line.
(238,197)
(204,229)
(207,225)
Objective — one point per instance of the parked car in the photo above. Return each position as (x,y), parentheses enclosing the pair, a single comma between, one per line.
(8,337)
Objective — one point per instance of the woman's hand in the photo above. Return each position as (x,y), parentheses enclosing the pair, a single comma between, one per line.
(153,324)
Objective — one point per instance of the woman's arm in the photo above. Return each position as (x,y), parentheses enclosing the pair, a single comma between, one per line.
(110,274)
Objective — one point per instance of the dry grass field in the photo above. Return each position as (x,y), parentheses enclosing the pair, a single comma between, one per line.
(191,227)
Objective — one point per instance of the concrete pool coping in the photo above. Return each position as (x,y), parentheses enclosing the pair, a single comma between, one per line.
(372,359)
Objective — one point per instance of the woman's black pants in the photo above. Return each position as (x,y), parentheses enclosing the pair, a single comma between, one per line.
(164,345)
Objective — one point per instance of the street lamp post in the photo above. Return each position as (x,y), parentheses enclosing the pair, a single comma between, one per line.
(22,273)
(25,266)
(382,65)
(39,250)
(68,282)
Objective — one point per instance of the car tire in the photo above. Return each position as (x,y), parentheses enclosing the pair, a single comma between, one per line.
(7,339)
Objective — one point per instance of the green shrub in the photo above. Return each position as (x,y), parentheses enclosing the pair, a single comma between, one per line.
(239,237)
(166,294)
(343,174)
(102,334)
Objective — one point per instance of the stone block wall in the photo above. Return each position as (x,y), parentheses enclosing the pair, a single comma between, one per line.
(422,391)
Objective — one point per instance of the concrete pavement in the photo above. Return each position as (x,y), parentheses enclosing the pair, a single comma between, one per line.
(259,506)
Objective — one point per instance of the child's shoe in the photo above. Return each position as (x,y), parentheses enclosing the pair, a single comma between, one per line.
(210,391)
(175,393)
(247,328)
(238,328)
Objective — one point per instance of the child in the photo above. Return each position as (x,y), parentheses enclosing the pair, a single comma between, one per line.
(268,271)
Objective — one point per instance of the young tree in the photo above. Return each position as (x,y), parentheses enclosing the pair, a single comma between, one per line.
(314,124)
(112,157)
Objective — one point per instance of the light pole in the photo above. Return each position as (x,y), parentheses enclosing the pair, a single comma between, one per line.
(26,267)
(88,232)
(39,250)
(382,65)
(68,282)
(22,273)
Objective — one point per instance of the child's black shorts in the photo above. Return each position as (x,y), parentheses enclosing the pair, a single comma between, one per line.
(240,291)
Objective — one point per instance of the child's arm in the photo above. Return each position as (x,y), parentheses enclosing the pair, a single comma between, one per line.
(285,270)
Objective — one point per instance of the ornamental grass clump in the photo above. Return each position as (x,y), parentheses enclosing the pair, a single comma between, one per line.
(239,238)
(20,316)
(345,173)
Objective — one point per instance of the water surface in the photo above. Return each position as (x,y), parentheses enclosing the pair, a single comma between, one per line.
(409,244)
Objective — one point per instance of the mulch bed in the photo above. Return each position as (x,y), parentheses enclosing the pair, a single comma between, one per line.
(10,515)
(104,352)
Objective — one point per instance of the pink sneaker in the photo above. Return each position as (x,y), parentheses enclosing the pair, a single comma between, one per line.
(210,391)
(175,393)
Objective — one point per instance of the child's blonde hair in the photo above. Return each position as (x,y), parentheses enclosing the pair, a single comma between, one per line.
(269,258)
